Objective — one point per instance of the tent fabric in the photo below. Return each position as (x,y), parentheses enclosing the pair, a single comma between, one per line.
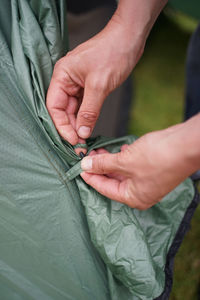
(60,239)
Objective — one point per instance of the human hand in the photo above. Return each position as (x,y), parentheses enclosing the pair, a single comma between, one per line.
(85,76)
(142,173)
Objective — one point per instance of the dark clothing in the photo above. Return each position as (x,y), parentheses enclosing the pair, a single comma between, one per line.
(192,101)
(78,7)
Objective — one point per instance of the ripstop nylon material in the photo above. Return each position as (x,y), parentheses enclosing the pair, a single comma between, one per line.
(60,239)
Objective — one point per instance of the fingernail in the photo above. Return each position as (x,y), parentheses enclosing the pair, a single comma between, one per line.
(86,164)
(84,132)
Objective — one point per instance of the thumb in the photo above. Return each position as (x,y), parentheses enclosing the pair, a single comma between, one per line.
(90,109)
(103,164)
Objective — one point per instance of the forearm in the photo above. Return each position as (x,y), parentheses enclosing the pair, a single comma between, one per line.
(138,16)
(188,143)
(131,24)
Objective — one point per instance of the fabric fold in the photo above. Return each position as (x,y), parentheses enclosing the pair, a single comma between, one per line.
(61,239)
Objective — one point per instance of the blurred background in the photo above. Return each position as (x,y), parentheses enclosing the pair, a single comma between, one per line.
(152,98)
(159,92)
(159,77)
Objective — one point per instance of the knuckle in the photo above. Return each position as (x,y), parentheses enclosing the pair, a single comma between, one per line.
(72,58)
(100,164)
(128,199)
(69,53)
(119,159)
(59,72)
(98,83)
(61,67)
(88,116)
(59,63)
(132,200)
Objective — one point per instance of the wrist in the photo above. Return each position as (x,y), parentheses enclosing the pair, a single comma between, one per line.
(132,22)
(138,16)
(191,137)
(185,146)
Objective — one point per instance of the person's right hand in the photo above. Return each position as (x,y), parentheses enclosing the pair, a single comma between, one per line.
(85,76)
(144,172)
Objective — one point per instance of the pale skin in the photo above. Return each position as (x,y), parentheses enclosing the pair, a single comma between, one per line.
(142,173)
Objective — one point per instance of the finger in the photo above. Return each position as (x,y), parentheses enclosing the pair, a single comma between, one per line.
(63,125)
(124,147)
(101,151)
(57,104)
(104,164)
(71,113)
(93,152)
(116,176)
(71,110)
(89,110)
(111,175)
(109,187)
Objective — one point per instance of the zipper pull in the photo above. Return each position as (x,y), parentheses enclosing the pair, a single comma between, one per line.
(81,154)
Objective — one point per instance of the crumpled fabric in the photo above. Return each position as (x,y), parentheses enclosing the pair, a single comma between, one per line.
(60,239)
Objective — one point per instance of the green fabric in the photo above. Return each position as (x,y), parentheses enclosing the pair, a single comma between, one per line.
(59,238)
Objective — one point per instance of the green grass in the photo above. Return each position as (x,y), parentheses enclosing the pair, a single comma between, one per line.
(158,103)
(159,79)
(187,264)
